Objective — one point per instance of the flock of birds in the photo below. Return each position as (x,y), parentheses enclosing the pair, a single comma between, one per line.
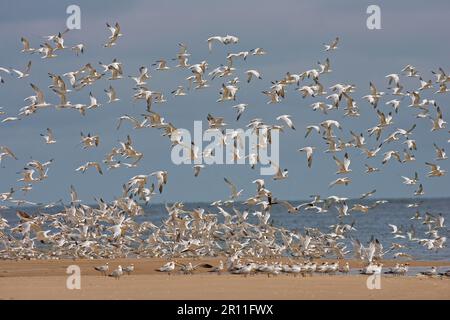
(110,230)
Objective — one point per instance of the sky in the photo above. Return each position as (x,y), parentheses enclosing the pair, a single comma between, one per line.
(292,32)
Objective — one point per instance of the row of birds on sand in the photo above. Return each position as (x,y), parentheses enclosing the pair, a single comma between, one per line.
(273,268)
(110,229)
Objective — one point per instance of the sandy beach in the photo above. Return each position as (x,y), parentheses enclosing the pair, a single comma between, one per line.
(47,280)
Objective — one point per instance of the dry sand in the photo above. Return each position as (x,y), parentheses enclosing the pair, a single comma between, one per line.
(47,280)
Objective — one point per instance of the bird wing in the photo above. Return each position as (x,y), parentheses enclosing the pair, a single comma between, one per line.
(287,205)
(232,186)
(50,134)
(432,165)
(39,94)
(8,151)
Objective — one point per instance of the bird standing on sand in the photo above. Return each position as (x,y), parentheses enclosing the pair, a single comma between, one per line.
(102,269)
(117,273)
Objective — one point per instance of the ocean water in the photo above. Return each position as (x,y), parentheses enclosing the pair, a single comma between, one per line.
(368,225)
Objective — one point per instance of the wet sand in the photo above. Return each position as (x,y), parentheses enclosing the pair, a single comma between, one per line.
(47,280)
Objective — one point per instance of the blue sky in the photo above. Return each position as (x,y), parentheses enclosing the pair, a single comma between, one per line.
(291,31)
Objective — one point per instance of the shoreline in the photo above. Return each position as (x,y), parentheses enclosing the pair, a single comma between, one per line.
(46,279)
(148,266)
